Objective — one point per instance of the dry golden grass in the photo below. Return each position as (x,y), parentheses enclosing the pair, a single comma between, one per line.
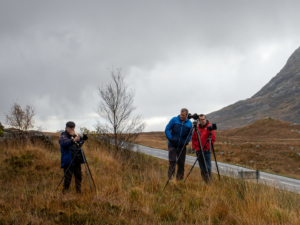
(130,192)
(238,146)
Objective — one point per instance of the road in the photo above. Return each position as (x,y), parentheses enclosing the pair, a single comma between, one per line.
(280,182)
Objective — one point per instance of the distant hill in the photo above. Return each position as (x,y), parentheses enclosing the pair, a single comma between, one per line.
(280,99)
(266,129)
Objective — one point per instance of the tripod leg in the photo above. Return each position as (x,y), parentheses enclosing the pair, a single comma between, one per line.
(202,154)
(89,170)
(86,170)
(216,160)
(66,171)
(178,158)
(194,163)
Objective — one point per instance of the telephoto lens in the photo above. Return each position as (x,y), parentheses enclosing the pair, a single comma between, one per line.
(212,127)
(195,116)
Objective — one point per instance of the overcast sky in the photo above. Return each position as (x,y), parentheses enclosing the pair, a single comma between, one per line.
(202,55)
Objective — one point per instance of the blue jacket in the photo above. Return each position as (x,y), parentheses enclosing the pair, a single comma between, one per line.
(177,132)
(66,142)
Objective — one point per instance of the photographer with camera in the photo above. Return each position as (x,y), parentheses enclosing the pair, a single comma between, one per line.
(70,147)
(204,130)
(177,132)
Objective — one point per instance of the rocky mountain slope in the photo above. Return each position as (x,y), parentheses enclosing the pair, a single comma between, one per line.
(280,99)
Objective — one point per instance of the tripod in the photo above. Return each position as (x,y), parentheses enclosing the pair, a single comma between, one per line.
(87,169)
(195,128)
(211,146)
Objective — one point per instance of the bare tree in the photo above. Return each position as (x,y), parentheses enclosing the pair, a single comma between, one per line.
(116,108)
(19,118)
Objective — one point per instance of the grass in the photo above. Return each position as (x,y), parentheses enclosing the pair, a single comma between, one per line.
(274,154)
(129,191)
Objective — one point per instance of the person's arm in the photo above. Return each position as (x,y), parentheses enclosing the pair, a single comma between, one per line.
(64,140)
(168,130)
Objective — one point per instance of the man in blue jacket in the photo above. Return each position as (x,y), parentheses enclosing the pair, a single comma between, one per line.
(70,144)
(177,132)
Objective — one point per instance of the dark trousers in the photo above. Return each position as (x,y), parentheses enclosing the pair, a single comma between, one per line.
(76,170)
(207,158)
(173,155)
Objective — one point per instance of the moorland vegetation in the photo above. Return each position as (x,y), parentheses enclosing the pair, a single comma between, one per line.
(129,191)
(268,144)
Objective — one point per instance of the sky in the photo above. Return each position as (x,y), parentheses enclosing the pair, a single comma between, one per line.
(200,55)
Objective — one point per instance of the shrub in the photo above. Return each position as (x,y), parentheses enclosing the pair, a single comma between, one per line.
(1,133)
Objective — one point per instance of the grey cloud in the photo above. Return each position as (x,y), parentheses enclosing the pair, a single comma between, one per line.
(56,53)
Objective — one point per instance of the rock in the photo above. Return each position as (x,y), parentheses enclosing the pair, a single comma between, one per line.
(257,146)
(27,136)
(291,148)
(260,154)
(221,153)
(298,154)
(251,161)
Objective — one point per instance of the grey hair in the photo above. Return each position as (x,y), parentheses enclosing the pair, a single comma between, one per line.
(185,110)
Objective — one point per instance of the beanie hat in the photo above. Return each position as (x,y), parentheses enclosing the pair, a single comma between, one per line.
(70,124)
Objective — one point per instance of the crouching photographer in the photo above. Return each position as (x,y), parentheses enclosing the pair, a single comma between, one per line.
(70,147)
(204,128)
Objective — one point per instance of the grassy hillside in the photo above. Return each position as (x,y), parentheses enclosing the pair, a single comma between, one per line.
(129,191)
(267,144)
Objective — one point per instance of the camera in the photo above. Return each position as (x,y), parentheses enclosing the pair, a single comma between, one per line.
(195,116)
(212,127)
(84,137)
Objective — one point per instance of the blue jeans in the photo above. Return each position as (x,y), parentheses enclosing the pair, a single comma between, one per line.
(207,158)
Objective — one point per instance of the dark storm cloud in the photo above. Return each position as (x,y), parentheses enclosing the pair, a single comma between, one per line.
(55,54)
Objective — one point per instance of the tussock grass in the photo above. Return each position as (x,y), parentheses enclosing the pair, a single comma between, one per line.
(129,191)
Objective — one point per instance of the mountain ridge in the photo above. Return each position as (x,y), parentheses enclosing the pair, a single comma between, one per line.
(279,99)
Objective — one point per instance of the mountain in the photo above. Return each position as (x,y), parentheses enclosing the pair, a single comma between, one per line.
(279,99)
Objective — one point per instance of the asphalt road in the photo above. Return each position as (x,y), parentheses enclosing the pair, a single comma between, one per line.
(280,182)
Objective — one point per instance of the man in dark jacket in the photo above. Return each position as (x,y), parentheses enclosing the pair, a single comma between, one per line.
(177,132)
(70,144)
(203,133)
